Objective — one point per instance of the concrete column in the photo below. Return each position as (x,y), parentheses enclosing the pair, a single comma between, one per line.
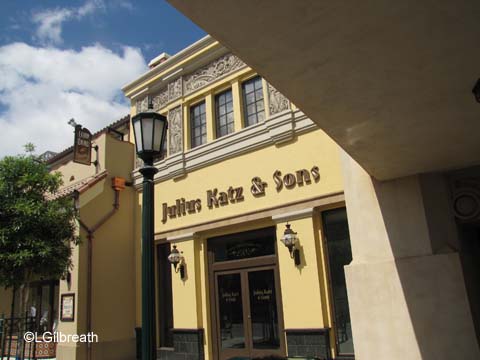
(405,284)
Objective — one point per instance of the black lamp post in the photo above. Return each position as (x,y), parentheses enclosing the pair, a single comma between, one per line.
(149,129)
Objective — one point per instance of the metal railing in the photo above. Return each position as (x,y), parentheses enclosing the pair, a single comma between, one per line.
(12,343)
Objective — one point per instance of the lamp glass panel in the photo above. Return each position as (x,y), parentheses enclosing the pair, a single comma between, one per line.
(147,127)
(138,134)
(157,140)
(174,257)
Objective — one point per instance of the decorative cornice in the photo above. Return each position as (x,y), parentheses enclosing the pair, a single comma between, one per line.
(217,69)
(280,128)
(187,84)
(171,62)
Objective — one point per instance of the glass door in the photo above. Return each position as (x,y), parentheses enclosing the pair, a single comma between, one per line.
(231,316)
(263,310)
(247,315)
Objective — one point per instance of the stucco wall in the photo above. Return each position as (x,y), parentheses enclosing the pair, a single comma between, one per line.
(304,152)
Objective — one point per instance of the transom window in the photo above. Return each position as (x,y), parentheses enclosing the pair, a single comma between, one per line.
(253,101)
(224,113)
(243,245)
(198,125)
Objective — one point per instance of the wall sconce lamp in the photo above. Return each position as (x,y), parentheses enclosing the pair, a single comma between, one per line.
(178,261)
(289,239)
(476,91)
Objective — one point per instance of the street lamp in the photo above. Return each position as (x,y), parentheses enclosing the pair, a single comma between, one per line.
(149,129)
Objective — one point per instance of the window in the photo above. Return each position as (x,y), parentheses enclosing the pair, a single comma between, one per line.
(42,305)
(224,113)
(253,101)
(198,125)
(339,254)
(243,245)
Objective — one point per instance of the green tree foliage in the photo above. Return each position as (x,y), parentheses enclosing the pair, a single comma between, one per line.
(36,234)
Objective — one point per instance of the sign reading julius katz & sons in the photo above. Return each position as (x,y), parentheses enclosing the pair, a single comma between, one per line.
(216,198)
(82,147)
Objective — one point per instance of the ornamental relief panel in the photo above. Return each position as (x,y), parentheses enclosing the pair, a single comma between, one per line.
(277,102)
(142,105)
(211,72)
(175,89)
(175,129)
(160,99)
(192,82)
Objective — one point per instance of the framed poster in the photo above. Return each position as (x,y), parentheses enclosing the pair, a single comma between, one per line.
(67,309)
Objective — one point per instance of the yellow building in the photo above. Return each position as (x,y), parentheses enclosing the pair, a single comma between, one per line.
(106,230)
(98,288)
(241,163)
(396,86)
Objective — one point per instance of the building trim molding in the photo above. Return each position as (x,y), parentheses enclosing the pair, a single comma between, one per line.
(171,62)
(294,215)
(183,237)
(281,127)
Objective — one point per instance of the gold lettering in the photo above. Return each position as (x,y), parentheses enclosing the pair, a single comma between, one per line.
(277,177)
(289,180)
(212,198)
(164,213)
(303,175)
(239,194)
(222,198)
(231,192)
(198,204)
(258,186)
(315,173)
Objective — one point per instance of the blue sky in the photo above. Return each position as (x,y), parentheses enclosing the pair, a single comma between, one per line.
(64,59)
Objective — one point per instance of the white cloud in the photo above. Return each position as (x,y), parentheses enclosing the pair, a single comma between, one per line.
(42,88)
(50,21)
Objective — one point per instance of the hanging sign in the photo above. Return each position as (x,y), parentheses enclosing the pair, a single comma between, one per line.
(82,147)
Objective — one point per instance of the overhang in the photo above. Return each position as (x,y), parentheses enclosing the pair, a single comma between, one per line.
(389,81)
(78,187)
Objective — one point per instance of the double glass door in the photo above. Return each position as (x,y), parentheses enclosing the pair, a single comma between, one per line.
(247,306)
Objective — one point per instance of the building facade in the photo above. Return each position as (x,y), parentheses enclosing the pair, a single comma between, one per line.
(98,287)
(241,163)
(395,85)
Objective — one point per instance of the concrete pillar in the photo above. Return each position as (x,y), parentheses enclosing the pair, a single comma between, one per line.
(405,284)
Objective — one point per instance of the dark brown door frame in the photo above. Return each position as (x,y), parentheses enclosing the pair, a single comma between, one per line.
(323,239)
(243,266)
